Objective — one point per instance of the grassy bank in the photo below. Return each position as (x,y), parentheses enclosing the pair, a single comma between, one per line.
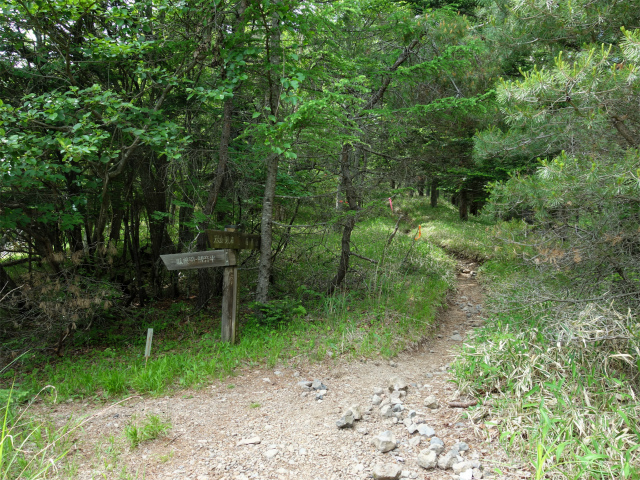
(559,383)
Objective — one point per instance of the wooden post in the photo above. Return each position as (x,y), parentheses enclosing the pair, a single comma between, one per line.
(147,350)
(230,295)
(230,241)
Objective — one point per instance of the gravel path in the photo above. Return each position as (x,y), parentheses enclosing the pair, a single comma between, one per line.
(215,429)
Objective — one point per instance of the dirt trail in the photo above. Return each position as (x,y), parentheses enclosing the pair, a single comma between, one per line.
(298,434)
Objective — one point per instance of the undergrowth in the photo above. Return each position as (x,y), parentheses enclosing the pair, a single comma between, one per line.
(30,448)
(559,379)
(389,300)
(442,227)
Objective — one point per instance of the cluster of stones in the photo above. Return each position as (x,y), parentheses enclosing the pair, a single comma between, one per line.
(436,455)
(316,385)
(468,308)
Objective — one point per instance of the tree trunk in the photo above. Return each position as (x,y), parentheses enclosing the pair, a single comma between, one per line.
(265,265)
(119,203)
(116,225)
(75,238)
(345,172)
(185,233)
(349,225)
(266,230)
(345,254)
(206,284)
(463,205)
(421,185)
(43,246)
(134,244)
(223,157)
(434,192)
(154,185)
(101,223)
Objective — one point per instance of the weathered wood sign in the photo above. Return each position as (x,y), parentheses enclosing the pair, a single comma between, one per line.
(208,259)
(231,241)
(235,240)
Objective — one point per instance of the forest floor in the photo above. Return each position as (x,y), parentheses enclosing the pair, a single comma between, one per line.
(297,434)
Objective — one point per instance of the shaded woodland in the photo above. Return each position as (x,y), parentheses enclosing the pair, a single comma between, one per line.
(129,128)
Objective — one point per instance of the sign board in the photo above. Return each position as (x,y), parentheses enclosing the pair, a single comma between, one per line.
(230,241)
(189,261)
(234,240)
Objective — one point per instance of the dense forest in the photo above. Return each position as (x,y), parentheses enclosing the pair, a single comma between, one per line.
(129,128)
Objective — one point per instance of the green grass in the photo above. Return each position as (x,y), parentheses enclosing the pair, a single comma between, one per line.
(107,460)
(151,428)
(442,227)
(571,408)
(29,448)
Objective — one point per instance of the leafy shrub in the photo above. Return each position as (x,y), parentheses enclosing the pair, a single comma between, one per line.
(277,313)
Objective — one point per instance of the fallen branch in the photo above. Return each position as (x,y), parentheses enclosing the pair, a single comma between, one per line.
(363,258)
(299,226)
(467,404)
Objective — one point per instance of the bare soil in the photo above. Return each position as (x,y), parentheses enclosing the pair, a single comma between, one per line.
(298,432)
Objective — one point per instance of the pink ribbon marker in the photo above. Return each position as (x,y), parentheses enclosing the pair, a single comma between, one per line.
(390,204)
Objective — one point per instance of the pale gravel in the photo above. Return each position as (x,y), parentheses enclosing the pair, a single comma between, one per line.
(299,437)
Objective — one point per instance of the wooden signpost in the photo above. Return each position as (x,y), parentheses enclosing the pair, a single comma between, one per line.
(231,241)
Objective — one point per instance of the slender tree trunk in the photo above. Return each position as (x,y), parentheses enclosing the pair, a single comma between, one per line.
(350,222)
(205,280)
(43,247)
(119,207)
(434,192)
(345,172)
(153,177)
(463,205)
(116,225)
(265,265)
(223,157)
(75,238)
(266,230)
(101,223)
(134,243)
(421,185)
(185,233)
